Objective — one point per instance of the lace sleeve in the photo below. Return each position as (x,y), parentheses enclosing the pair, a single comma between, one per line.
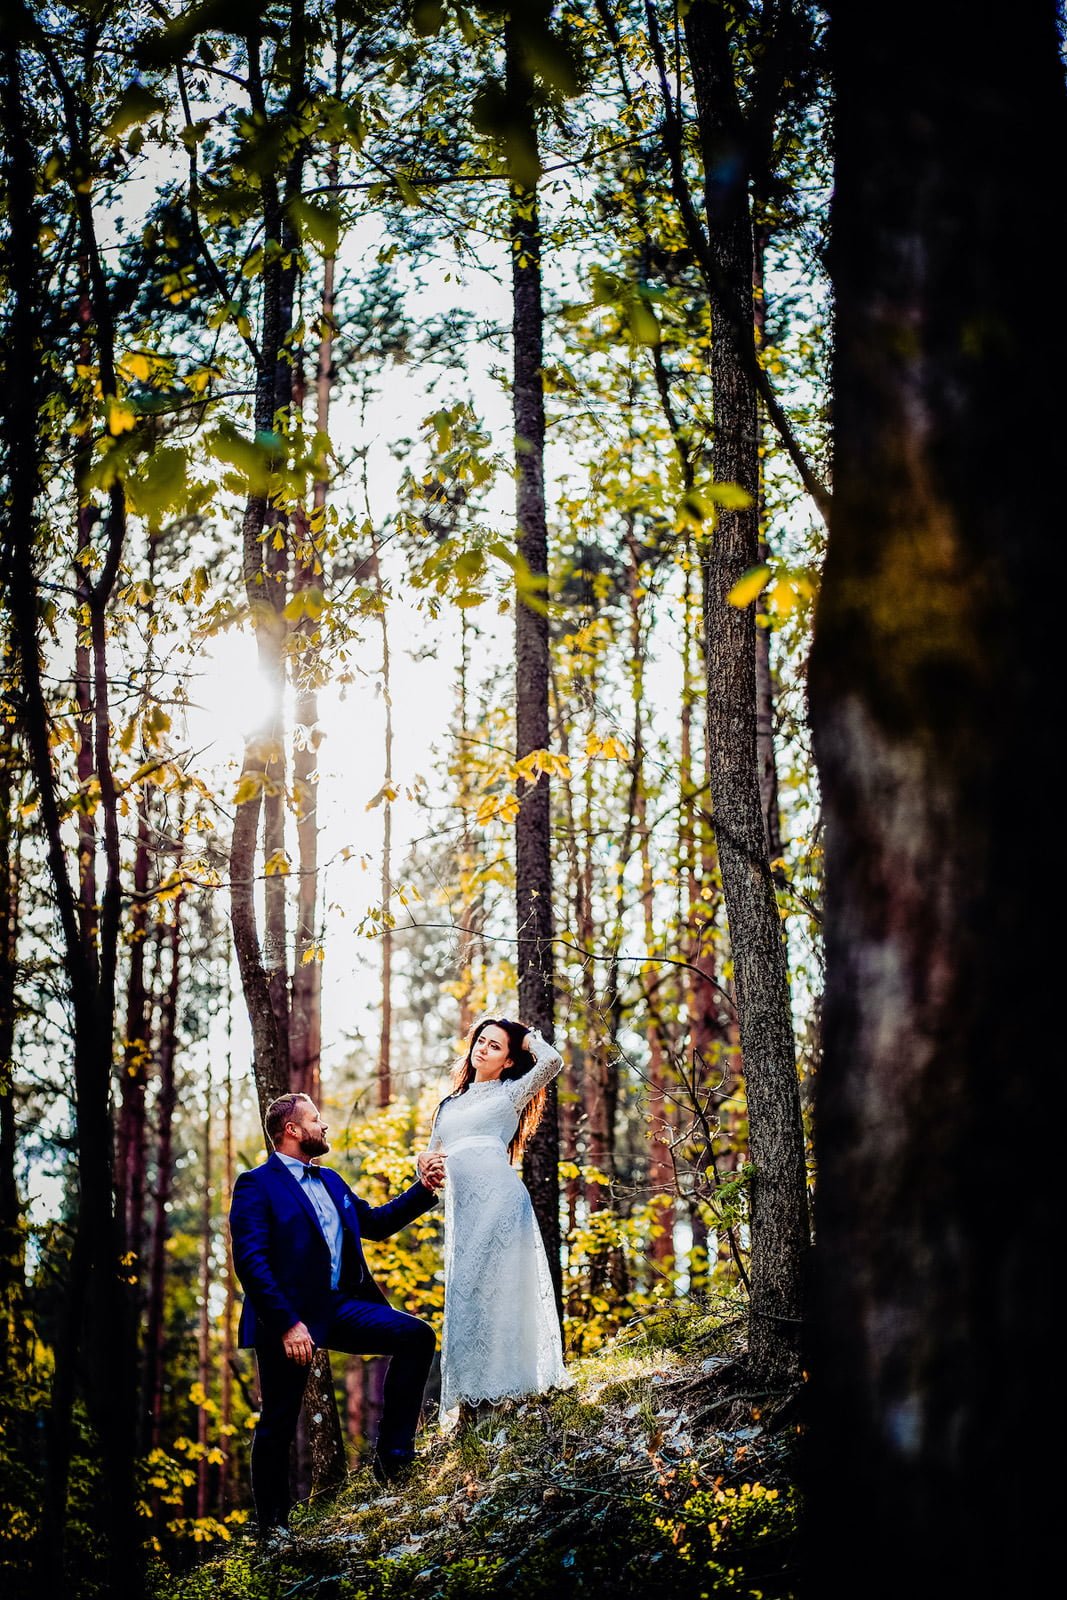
(436,1142)
(547,1062)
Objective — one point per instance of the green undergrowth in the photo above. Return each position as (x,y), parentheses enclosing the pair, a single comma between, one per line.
(659,1470)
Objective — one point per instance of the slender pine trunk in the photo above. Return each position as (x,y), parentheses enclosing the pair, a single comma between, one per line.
(533,856)
(778,1194)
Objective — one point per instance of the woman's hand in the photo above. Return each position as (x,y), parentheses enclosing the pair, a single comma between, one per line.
(431,1169)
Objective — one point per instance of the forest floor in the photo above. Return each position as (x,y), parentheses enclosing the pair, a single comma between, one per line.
(659,1471)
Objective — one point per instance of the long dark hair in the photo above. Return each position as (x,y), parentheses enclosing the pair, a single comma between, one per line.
(522,1062)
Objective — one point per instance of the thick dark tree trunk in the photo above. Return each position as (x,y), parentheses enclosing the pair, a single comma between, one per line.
(778,1195)
(533,857)
(931,701)
(97,1284)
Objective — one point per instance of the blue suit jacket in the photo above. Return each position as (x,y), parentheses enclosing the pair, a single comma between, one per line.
(281,1256)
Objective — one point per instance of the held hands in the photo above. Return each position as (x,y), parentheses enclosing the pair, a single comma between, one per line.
(298,1345)
(431,1167)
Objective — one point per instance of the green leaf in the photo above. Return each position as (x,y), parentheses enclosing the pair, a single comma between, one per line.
(471,564)
(644,324)
(136,104)
(319,223)
(428,17)
(255,460)
(160,484)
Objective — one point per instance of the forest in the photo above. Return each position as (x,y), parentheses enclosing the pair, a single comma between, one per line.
(534,510)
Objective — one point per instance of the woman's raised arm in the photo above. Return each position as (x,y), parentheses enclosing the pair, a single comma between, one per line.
(547,1062)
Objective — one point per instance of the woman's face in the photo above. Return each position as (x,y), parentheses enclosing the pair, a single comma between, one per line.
(491,1053)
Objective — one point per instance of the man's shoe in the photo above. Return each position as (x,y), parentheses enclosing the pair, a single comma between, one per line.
(392,1466)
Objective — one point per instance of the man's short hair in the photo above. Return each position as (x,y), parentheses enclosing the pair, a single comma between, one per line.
(279,1112)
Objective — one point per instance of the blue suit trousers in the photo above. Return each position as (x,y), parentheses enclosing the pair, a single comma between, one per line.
(358,1327)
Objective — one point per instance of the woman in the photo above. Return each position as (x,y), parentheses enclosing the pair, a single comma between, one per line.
(501,1336)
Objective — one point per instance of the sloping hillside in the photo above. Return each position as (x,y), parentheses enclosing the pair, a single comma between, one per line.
(659,1471)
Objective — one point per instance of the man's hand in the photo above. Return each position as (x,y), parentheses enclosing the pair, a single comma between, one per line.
(298,1345)
(431,1165)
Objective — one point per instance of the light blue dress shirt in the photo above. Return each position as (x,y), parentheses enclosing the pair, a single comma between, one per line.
(314,1186)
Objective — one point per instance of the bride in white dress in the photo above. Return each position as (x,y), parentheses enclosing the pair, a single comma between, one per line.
(501,1338)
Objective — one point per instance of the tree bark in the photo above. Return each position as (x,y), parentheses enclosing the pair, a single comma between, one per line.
(167,1100)
(660,1167)
(203,1353)
(306,1013)
(778,1195)
(765,748)
(130,1153)
(385,1032)
(12,1231)
(263,965)
(229,1303)
(97,1284)
(931,698)
(533,857)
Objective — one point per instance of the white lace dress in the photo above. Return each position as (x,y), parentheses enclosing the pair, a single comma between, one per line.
(501,1337)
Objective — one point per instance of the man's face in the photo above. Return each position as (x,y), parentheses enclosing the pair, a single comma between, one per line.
(309,1130)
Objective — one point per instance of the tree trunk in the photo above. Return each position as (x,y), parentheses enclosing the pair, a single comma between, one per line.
(931,700)
(533,857)
(469,896)
(778,1195)
(167,1100)
(130,1153)
(765,751)
(385,1034)
(90,940)
(229,1303)
(305,1026)
(599,1089)
(660,1167)
(203,1472)
(263,964)
(12,1232)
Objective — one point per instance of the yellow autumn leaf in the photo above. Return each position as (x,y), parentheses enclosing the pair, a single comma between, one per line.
(751,584)
(250,787)
(782,597)
(276,865)
(120,417)
(531,766)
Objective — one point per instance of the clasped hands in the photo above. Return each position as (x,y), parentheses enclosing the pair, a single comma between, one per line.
(431,1168)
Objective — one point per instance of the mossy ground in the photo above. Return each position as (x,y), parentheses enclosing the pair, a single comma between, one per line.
(659,1470)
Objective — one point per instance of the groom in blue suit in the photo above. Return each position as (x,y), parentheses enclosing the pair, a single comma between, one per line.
(296,1231)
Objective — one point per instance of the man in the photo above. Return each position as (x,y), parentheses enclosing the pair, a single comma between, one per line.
(296,1228)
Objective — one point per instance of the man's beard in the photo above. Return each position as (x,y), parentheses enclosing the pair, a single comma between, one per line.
(313,1144)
